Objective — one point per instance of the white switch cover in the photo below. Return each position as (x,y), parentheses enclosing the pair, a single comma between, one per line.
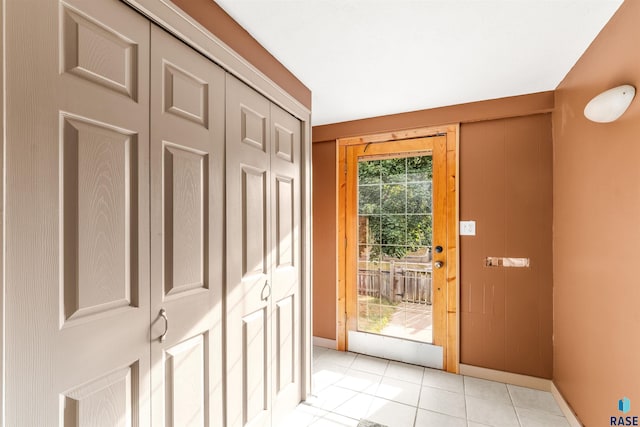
(467,228)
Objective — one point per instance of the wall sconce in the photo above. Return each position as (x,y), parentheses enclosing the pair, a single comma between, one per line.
(610,104)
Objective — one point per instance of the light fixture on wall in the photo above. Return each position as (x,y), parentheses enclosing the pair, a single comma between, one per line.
(610,104)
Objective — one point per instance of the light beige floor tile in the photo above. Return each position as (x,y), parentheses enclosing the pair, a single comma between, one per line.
(391,414)
(432,419)
(303,415)
(443,401)
(360,381)
(399,391)
(326,374)
(488,390)
(405,372)
(366,363)
(491,413)
(335,420)
(355,407)
(341,358)
(523,397)
(537,418)
(443,380)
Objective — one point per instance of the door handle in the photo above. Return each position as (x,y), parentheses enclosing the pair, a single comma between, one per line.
(267,287)
(438,264)
(163,314)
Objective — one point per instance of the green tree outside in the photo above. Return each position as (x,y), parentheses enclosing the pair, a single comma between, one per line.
(395,205)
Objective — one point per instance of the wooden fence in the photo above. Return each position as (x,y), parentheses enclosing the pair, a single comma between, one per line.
(397,284)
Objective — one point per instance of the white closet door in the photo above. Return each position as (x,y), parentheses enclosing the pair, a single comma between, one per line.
(285,227)
(248,296)
(263,259)
(77,261)
(187,199)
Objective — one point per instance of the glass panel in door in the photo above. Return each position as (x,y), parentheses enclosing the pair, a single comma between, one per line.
(394,252)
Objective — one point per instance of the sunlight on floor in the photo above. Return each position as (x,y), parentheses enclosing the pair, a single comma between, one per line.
(350,388)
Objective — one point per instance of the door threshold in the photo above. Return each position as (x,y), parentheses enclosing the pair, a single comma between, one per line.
(400,350)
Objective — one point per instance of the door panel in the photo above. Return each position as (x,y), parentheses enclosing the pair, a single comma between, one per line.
(248,307)
(185,373)
(285,169)
(99,182)
(187,149)
(104,402)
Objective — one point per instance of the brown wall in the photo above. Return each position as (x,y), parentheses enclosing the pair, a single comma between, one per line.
(215,19)
(521,149)
(505,186)
(324,238)
(597,232)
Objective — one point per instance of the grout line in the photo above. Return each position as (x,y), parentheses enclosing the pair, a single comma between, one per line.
(513,405)
(464,395)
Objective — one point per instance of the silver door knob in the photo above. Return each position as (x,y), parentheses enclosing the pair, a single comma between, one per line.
(438,264)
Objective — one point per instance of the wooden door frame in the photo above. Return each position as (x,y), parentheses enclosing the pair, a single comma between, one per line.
(450,337)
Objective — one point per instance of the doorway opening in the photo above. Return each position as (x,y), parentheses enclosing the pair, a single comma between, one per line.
(395,234)
(398,266)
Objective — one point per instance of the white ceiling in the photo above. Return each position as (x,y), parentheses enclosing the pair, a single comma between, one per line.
(366,58)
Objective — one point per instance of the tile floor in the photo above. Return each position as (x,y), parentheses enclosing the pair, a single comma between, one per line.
(349,387)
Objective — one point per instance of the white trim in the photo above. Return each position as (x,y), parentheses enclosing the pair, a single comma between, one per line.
(506,377)
(325,342)
(564,407)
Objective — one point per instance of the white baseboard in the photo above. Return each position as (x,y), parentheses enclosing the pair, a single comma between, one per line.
(506,377)
(564,407)
(324,342)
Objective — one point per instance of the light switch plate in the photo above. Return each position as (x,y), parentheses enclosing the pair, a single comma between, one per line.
(467,228)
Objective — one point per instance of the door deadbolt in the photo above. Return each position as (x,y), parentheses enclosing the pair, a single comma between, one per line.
(438,249)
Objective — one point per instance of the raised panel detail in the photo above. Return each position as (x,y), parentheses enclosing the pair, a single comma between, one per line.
(185,219)
(254,350)
(253,128)
(284,222)
(109,401)
(186,95)
(185,371)
(254,221)
(98,54)
(284,143)
(99,228)
(285,333)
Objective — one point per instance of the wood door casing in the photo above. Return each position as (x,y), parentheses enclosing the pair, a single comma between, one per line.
(187,198)
(77,216)
(263,259)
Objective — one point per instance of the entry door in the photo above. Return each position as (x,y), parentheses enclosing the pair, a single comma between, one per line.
(397,248)
(263,259)
(187,199)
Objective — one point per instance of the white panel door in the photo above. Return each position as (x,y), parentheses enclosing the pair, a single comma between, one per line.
(263,259)
(77,241)
(187,199)
(248,296)
(285,277)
